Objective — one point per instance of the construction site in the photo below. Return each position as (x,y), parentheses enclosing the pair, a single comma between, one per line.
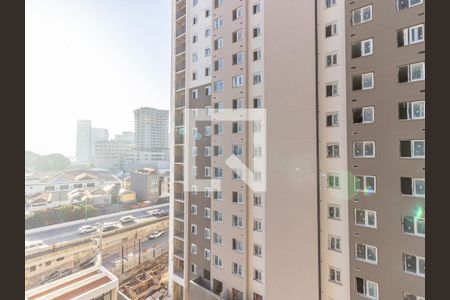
(146,281)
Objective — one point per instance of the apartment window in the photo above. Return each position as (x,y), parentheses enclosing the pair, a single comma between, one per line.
(257,78)
(366,288)
(335,275)
(364,149)
(256,8)
(218,64)
(218,23)
(403,4)
(257,102)
(218,44)
(414,264)
(194,151)
(218,150)
(411,73)
(362,82)
(408,296)
(194,209)
(218,261)
(334,212)
(413,186)
(333,181)
(364,115)
(194,2)
(207,151)
(237,269)
(218,216)
(218,172)
(236,174)
(194,190)
(194,38)
(206,71)
(411,35)
(194,171)
(257,200)
(412,149)
(257,176)
(236,221)
(257,250)
(207,192)
(414,110)
(194,249)
(331,60)
(257,55)
(207,171)
(332,150)
(194,57)
(238,103)
(362,15)
(207,52)
(257,225)
(334,243)
(366,253)
(237,36)
(332,119)
(257,275)
(218,86)
(331,30)
(362,48)
(195,94)
(217,239)
(207,254)
(194,229)
(257,126)
(366,218)
(237,127)
(237,150)
(207,133)
(331,89)
(330,3)
(413,225)
(207,233)
(365,183)
(237,245)
(238,81)
(238,13)
(257,151)
(218,3)
(237,198)
(256,31)
(207,213)
(218,107)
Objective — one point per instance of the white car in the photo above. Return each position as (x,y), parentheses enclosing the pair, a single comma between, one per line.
(155,234)
(30,245)
(87,229)
(126,219)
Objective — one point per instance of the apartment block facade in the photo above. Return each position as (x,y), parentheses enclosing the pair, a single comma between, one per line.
(284,184)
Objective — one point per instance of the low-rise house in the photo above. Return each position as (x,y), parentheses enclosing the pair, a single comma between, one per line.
(145,182)
(126,196)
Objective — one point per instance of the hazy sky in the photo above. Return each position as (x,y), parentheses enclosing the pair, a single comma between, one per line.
(95,60)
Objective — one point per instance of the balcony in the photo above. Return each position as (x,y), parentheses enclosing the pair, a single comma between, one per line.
(179,177)
(180,13)
(180,67)
(178,252)
(180,49)
(179,215)
(180,31)
(179,234)
(179,121)
(179,140)
(199,288)
(179,196)
(179,101)
(179,159)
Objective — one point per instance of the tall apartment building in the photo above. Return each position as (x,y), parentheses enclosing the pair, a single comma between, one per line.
(87,136)
(151,128)
(341,87)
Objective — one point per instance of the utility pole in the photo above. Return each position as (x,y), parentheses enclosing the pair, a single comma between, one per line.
(139,250)
(85,208)
(122,259)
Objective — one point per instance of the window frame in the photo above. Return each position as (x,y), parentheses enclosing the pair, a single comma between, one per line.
(361,10)
(366,218)
(366,246)
(364,143)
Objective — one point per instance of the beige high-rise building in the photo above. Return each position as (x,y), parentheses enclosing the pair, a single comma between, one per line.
(297,149)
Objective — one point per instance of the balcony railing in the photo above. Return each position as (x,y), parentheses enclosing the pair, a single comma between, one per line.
(179,158)
(179,101)
(179,121)
(203,287)
(180,13)
(179,177)
(179,139)
(180,31)
(178,272)
(179,215)
(180,49)
(179,234)
(179,196)
(178,252)
(180,67)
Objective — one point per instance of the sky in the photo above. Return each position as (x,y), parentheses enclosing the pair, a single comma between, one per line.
(92,59)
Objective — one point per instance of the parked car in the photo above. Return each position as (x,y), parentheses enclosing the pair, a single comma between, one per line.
(86,229)
(155,234)
(126,219)
(30,245)
(88,263)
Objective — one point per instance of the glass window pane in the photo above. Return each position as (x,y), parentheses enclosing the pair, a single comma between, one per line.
(372,254)
(419,148)
(420,187)
(360,217)
(408,224)
(368,114)
(421,226)
(372,289)
(361,251)
(371,218)
(410,263)
(370,184)
(357,17)
(369,149)
(421,266)
(367,13)
(358,149)
(359,183)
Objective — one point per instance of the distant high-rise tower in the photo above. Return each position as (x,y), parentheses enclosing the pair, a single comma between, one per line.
(83,140)
(86,139)
(151,129)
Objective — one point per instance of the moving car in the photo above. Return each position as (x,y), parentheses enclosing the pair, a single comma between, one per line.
(161,212)
(30,245)
(53,276)
(111,227)
(88,263)
(155,234)
(126,219)
(87,229)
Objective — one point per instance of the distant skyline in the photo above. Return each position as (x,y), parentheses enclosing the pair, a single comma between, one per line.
(92,60)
